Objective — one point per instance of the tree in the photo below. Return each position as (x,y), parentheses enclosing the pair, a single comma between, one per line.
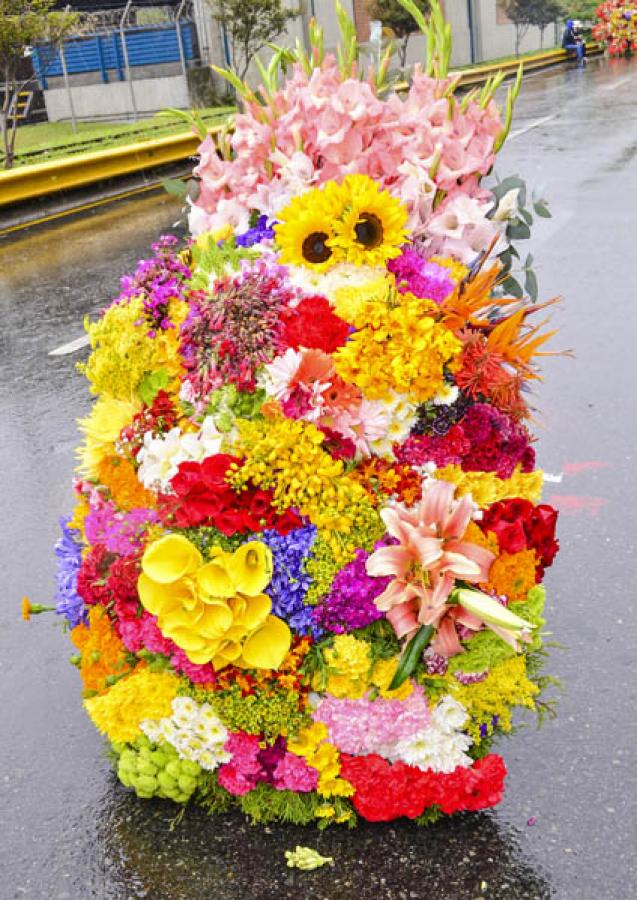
(544,13)
(24,23)
(524,13)
(394,15)
(249,25)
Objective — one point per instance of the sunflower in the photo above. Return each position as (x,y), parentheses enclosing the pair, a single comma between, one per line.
(304,230)
(371,227)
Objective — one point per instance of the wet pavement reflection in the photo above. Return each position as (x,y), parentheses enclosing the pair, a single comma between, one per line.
(70,831)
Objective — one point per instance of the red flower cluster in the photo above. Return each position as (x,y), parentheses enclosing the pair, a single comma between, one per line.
(160,416)
(385,791)
(314,325)
(202,497)
(519,525)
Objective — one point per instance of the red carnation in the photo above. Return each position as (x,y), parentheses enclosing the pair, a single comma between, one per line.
(314,325)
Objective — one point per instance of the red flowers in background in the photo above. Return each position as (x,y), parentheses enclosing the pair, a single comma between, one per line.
(312,324)
(385,791)
(519,525)
(202,497)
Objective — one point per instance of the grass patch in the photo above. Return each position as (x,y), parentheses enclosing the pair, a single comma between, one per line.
(54,140)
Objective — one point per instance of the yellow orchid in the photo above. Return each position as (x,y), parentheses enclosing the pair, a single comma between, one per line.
(215,611)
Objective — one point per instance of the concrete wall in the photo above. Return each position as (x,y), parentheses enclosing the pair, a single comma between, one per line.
(114,100)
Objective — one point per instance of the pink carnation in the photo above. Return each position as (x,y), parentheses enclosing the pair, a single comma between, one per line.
(294,774)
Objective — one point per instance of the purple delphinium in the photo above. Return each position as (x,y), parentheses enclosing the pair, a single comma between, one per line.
(260,232)
(68,551)
(290,581)
(416,275)
(350,602)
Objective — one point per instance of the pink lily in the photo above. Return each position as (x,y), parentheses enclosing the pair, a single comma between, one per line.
(426,562)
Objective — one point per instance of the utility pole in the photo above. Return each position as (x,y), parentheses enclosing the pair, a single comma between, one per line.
(473,33)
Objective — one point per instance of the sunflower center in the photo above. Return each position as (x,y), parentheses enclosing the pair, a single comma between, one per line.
(369,231)
(315,249)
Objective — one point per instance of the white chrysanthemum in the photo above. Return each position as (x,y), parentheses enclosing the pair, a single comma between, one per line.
(401,416)
(442,746)
(194,730)
(162,454)
(327,283)
(449,714)
(447,395)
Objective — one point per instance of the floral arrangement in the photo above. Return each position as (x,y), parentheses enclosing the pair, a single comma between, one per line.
(616,26)
(303,572)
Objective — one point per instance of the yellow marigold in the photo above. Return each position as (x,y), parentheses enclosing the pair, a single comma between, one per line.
(80,512)
(398,349)
(311,744)
(308,739)
(505,686)
(102,654)
(123,353)
(486,488)
(102,428)
(384,671)
(286,456)
(352,302)
(513,574)
(456,269)
(119,476)
(143,695)
(349,666)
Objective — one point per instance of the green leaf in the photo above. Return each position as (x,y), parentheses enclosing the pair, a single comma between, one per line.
(541,209)
(151,384)
(526,215)
(519,232)
(530,284)
(511,286)
(176,187)
(411,656)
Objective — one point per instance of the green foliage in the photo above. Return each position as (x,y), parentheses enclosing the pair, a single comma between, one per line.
(151,384)
(215,259)
(250,26)
(430,816)
(518,227)
(394,15)
(211,796)
(525,13)
(265,804)
(228,403)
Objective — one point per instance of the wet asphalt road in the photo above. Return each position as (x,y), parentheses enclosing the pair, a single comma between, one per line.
(70,831)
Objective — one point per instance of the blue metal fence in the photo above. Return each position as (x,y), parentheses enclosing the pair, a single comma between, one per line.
(147,46)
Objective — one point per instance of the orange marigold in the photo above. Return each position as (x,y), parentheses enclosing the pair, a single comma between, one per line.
(381,479)
(513,574)
(102,654)
(475,535)
(119,476)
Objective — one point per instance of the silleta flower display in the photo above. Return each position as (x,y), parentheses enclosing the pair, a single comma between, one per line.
(616,26)
(303,573)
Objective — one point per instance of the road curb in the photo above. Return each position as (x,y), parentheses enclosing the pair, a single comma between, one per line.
(24,185)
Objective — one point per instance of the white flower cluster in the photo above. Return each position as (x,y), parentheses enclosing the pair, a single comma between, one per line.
(401,416)
(161,454)
(194,730)
(442,746)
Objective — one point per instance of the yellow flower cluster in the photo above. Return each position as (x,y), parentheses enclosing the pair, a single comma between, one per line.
(123,353)
(142,695)
(101,429)
(215,611)
(400,349)
(457,270)
(486,488)
(352,672)
(505,686)
(286,456)
(311,743)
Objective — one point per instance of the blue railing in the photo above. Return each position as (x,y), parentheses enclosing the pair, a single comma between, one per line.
(146,46)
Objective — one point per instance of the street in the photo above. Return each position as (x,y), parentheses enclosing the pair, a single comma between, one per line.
(566,826)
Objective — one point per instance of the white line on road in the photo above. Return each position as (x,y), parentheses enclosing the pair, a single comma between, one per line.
(616,84)
(71,347)
(531,126)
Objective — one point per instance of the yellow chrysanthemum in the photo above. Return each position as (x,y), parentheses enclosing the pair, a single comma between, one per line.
(457,270)
(370,226)
(486,488)
(102,428)
(142,695)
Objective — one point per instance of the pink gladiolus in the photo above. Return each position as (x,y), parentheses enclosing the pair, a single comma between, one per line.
(425,563)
